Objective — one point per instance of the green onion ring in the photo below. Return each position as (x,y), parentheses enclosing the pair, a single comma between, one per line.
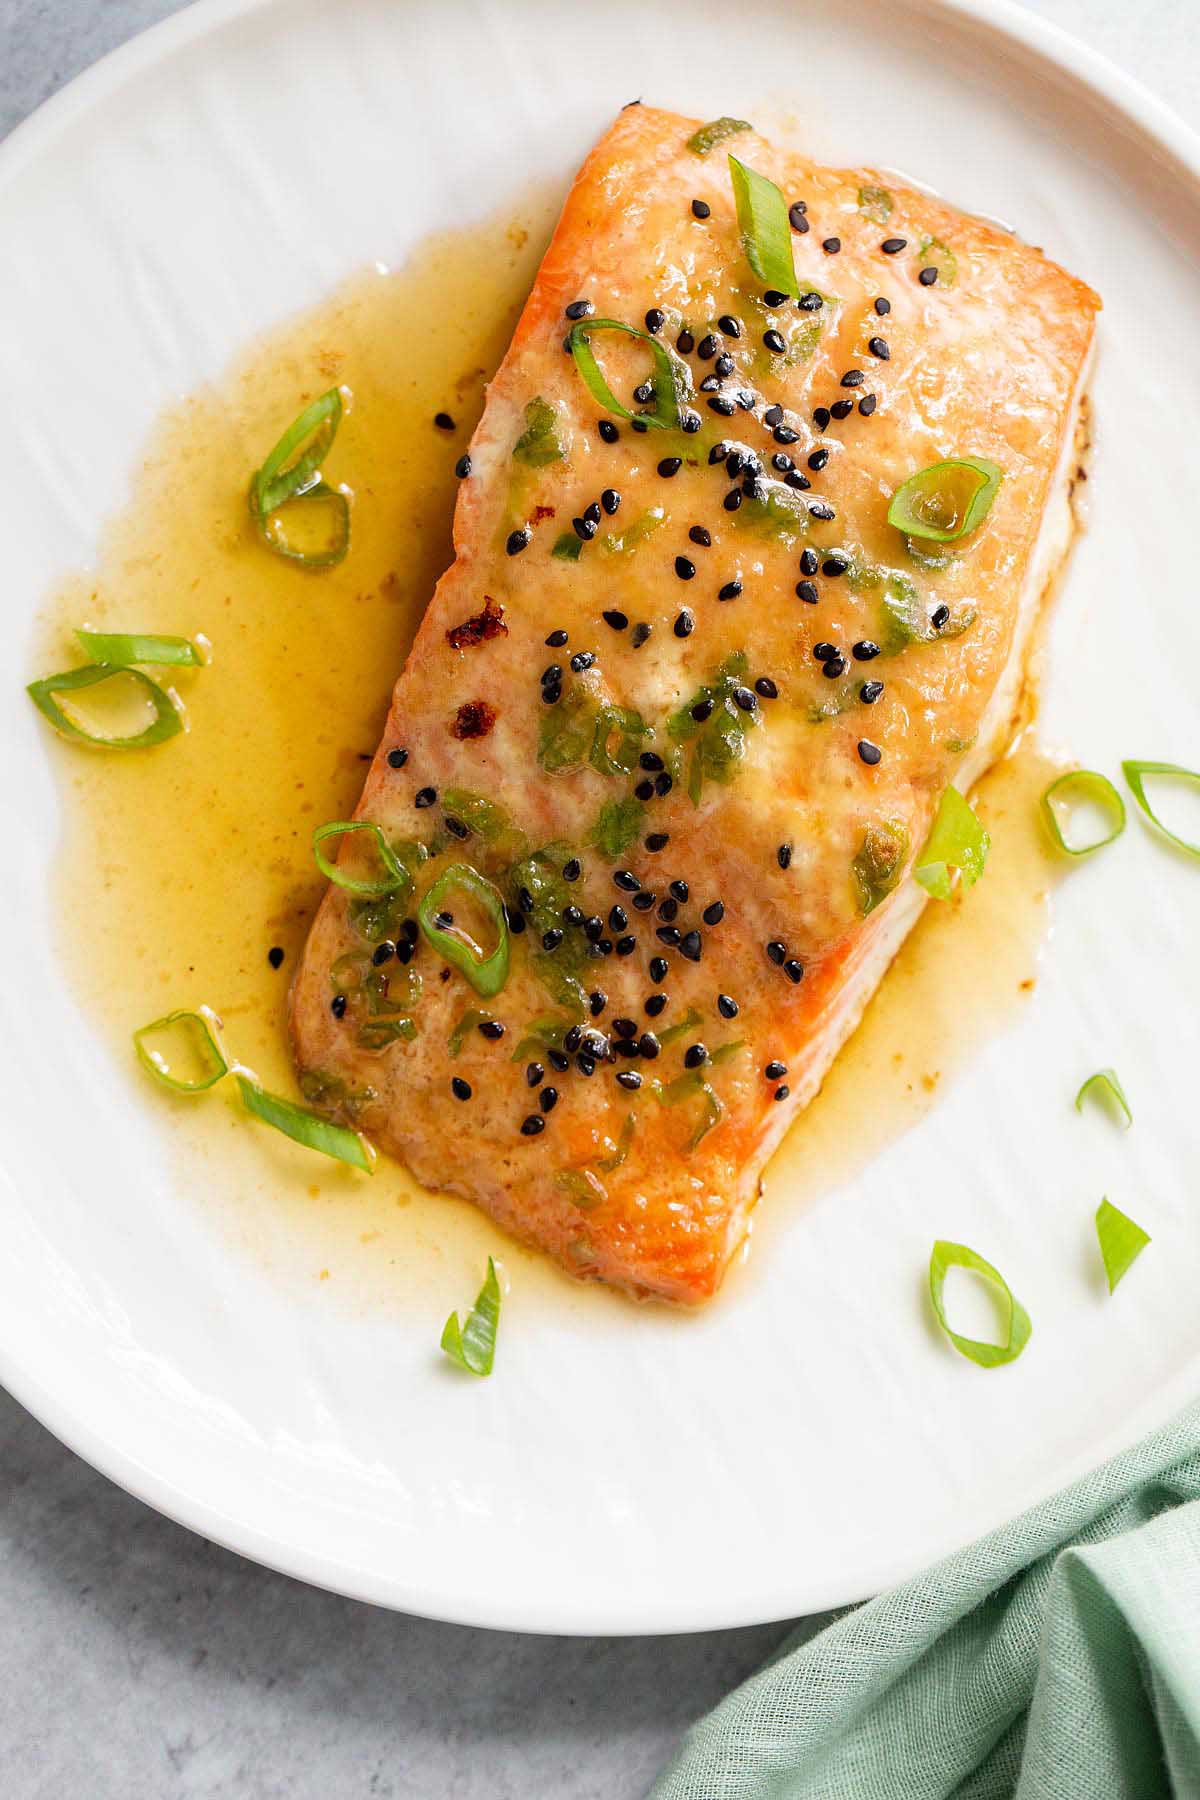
(1089,785)
(280,480)
(198,1028)
(946,1256)
(304,1127)
(1135,773)
(395,876)
(168,722)
(982,477)
(672,387)
(1104,1082)
(120,648)
(321,494)
(715,132)
(956,841)
(1121,1242)
(473,1345)
(487,971)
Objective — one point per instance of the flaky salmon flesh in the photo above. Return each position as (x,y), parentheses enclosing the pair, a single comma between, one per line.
(678,718)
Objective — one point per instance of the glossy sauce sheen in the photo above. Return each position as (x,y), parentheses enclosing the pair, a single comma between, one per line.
(180,868)
(655,1196)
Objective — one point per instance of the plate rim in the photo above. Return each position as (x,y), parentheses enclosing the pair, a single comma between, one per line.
(1155,122)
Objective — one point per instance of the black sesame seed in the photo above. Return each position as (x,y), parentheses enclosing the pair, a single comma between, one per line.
(552,939)
(558,1061)
(794,970)
(701,209)
(831,246)
(835,666)
(927,277)
(685,624)
(685,343)
(648,1046)
(459,1088)
(773,415)
(783,856)
(730,591)
(712,915)
(782,1091)
(663,784)
(668,935)
(853,378)
(657,840)
(516,921)
(841,409)
(834,565)
(645,900)
(796,218)
(643,393)
(572,1039)
(624,1028)
(733,499)
(556,640)
(718,453)
(572,915)
(824,651)
(668,911)
(878,347)
(702,710)
(808,562)
(727,1006)
(723,367)
(867,405)
(784,434)
(597,1002)
(774,297)
(783,462)
(821,509)
(939,616)
(593,929)
(865,650)
(777,951)
(869,752)
(534,1073)
(337,1006)
(275,956)
(807,590)
(708,347)
(690,421)
(615,618)
(579,309)
(644,790)
(746,400)
(627,881)
(774,340)
(775,1070)
(695,1056)
(618,918)
(655,320)
(650,760)
(811,302)
(608,431)
(893,246)
(766,688)
(572,869)
(425,797)
(745,699)
(629,1078)
(654,1004)
(658,968)
(553,671)
(443,421)
(691,945)
(818,459)
(718,403)
(820,417)
(531,1126)
(456,828)
(397,758)
(640,635)
(582,659)
(870,691)
(585,529)
(700,534)
(585,1064)
(730,326)
(670,465)
(548,1099)
(518,541)
(680,891)
(462,467)
(883,307)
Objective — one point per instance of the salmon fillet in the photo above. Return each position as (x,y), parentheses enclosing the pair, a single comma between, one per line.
(633,707)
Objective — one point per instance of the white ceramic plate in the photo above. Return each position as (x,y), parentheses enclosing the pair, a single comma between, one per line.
(810,1440)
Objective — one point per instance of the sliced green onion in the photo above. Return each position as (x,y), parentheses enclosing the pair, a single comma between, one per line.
(875,203)
(1082,785)
(1121,1242)
(624,1142)
(877,865)
(393,874)
(947,500)
(567,547)
(305,1127)
(539,443)
(484,817)
(946,1256)
(182,1039)
(464,1026)
(672,381)
(546,1032)
(473,1345)
(1135,774)
(1105,1084)
(689,1022)
(120,648)
(582,1187)
(618,826)
(377,1034)
(291,475)
(167,721)
(486,970)
(691,1085)
(957,841)
(714,133)
(763,221)
(933,254)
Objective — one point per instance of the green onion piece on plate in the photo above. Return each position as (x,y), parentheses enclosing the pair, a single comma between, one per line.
(947,500)
(763,221)
(120,648)
(1135,774)
(392,873)
(1082,786)
(946,1256)
(957,841)
(166,720)
(182,1051)
(672,381)
(464,1026)
(1121,1242)
(291,476)
(473,1345)
(304,1127)
(714,133)
(486,970)
(1104,1083)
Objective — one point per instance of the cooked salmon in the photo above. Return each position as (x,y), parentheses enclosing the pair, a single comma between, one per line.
(678,718)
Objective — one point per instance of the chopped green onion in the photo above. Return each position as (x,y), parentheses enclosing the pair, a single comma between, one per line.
(484,817)
(120,648)
(182,1038)
(546,1032)
(1121,1242)
(305,1127)
(291,475)
(166,723)
(618,826)
(467,1023)
(946,1256)
(933,254)
(567,547)
(1082,785)
(875,203)
(691,1085)
(582,1187)
(714,133)
(618,1156)
(957,841)
(763,221)
(672,380)
(689,1022)
(473,1345)
(876,868)
(947,500)
(486,970)
(1104,1082)
(377,1034)
(393,874)
(539,443)
(1135,774)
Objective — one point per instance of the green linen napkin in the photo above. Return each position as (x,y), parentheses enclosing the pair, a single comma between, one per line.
(1056,1659)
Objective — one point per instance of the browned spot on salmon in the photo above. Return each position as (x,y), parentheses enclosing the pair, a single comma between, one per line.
(542,512)
(474,719)
(487,624)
